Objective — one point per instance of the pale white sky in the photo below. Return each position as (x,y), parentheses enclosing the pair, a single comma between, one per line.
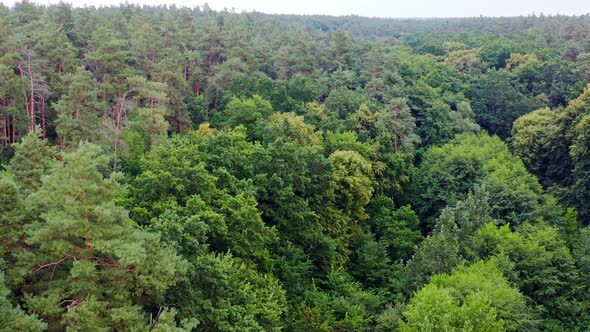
(372,8)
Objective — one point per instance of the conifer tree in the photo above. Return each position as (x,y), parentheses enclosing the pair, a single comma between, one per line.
(90,267)
(32,159)
(79,112)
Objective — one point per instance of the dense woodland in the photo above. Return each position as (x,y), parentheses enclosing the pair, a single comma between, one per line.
(176,169)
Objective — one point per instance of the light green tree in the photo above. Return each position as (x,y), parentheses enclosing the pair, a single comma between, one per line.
(472,298)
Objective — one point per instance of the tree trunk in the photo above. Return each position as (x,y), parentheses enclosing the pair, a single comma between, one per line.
(5,131)
(13,129)
(4,123)
(196,88)
(32,107)
(43,125)
(25,95)
(152,125)
(185,70)
(118,118)
(88,246)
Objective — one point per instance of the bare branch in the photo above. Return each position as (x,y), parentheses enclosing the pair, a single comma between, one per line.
(41,267)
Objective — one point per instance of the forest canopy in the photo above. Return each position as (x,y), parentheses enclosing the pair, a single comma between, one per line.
(178,169)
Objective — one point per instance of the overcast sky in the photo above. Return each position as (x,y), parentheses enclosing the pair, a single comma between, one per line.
(373,8)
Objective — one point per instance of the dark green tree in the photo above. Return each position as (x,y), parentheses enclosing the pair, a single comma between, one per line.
(78,112)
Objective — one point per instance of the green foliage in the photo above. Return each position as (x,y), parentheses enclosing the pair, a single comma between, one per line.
(342,102)
(79,111)
(542,268)
(289,177)
(398,230)
(292,128)
(497,101)
(448,172)
(372,265)
(343,202)
(250,113)
(580,153)
(399,123)
(148,119)
(403,233)
(336,169)
(538,139)
(466,60)
(11,213)
(89,258)
(553,145)
(223,293)
(451,241)
(474,298)
(342,306)
(165,322)
(581,253)
(13,318)
(345,141)
(496,54)
(175,191)
(32,159)
(438,253)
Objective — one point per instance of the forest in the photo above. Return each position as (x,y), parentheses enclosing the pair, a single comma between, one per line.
(185,169)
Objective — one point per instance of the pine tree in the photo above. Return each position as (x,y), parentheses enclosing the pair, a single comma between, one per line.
(79,112)
(32,159)
(398,121)
(12,318)
(149,118)
(90,267)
